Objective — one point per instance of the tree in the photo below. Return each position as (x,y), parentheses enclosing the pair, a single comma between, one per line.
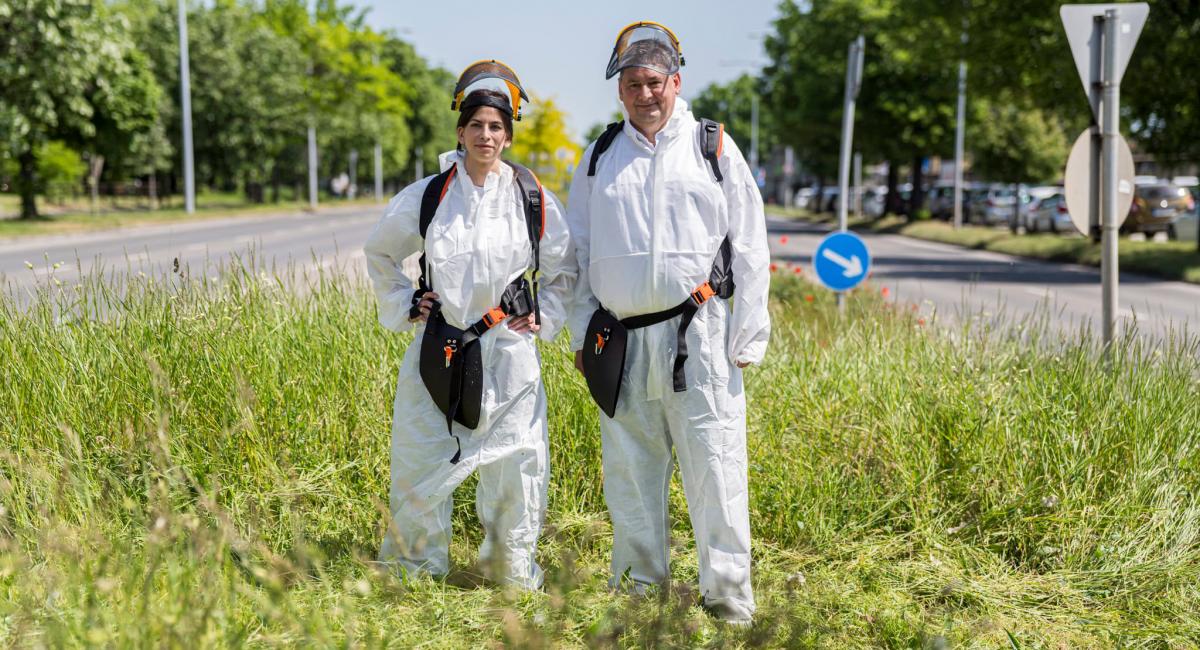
(67,66)
(1016,143)
(542,143)
(731,105)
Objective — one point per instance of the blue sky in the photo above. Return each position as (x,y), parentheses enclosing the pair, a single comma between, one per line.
(560,49)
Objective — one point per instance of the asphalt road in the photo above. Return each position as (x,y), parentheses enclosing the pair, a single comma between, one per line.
(948,281)
(960,284)
(330,238)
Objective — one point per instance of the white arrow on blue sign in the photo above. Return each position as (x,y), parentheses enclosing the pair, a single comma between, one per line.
(842,261)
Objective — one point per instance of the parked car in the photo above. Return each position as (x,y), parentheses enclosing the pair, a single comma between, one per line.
(1155,206)
(1187,226)
(991,205)
(874,199)
(803,198)
(940,200)
(1031,198)
(1050,213)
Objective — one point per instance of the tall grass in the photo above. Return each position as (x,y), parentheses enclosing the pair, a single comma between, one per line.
(205,463)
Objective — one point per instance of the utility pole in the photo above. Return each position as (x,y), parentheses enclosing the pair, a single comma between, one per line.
(185,95)
(960,126)
(754,135)
(312,143)
(854,70)
(1108,203)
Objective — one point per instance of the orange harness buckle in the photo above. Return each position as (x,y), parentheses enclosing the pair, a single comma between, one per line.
(493,317)
(703,293)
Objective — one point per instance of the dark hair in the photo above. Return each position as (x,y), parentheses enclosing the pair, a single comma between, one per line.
(468,113)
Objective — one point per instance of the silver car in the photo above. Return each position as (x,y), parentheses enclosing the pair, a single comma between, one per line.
(992,206)
(1050,213)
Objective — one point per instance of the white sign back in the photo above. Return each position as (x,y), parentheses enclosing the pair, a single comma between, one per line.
(1081,27)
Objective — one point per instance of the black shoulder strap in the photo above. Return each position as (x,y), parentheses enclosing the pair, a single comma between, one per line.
(435,191)
(533,197)
(603,143)
(712,138)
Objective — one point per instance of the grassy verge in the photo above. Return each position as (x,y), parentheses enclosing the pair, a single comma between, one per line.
(207,465)
(74,219)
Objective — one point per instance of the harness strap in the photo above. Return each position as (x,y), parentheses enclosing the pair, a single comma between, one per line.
(454,361)
(510,304)
(687,309)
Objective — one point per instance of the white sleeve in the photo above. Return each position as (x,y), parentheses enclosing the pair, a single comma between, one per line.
(558,270)
(397,236)
(579,223)
(750,323)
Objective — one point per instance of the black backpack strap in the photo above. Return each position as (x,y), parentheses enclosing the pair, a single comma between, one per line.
(603,143)
(712,139)
(721,276)
(435,191)
(533,197)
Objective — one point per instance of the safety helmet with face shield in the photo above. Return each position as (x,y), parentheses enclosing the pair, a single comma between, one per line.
(489,74)
(645,45)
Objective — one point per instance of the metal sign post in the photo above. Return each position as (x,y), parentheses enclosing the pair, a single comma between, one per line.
(185,96)
(854,70)
(1102,38)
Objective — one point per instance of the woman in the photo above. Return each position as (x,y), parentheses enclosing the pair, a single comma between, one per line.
(477,249)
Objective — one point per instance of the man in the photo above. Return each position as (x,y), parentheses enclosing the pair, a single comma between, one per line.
(650,213)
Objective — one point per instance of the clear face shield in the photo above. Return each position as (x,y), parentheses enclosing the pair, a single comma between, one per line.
(645,45)
(489,75)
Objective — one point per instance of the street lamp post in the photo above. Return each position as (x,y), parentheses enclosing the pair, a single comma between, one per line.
(185,96)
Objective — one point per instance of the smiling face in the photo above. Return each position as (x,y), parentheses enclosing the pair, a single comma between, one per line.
(484,134)
(649,97)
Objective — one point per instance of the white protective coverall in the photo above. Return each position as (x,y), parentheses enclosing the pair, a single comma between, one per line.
(476,245)
(647,228)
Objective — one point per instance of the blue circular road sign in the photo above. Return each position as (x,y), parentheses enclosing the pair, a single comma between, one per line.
(842,261)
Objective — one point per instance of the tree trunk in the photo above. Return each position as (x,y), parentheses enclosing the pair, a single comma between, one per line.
(95,166)
(153,189)
(275,183)
(917,196)
(892,204)
(27,184)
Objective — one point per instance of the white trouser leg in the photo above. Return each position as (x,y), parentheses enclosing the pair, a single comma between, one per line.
(637,472)
(708,427)
(511,503)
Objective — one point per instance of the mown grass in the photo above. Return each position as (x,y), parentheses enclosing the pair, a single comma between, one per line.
(75,217)
(206,465)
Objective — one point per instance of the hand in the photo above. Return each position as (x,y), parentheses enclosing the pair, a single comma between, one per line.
(527,323)
(579,361)
(425,306)
(741,364)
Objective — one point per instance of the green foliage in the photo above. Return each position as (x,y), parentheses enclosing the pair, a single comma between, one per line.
(60,170)
(542,143)
(1013,142)
(71,73)
(731,105)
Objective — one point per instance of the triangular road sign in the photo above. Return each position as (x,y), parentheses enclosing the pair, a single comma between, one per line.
(1079,22)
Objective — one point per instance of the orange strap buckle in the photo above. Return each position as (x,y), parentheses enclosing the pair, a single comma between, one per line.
(703,293)
(494,316)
